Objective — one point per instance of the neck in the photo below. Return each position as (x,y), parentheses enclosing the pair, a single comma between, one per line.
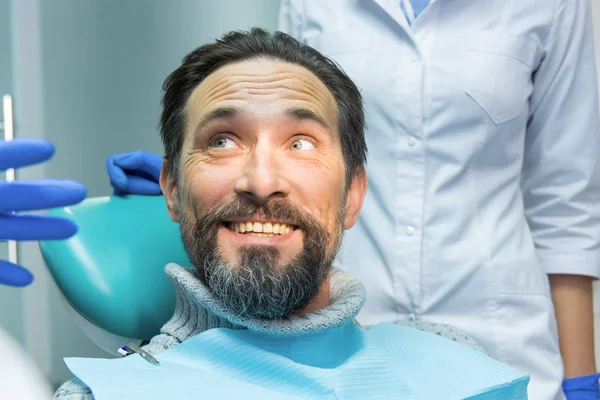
(320,301)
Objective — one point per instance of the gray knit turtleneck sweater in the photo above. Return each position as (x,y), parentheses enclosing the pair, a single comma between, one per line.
(197,310)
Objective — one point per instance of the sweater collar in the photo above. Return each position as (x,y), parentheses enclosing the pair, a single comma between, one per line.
(197,309)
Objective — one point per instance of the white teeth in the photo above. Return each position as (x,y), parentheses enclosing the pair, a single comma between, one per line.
(266,229)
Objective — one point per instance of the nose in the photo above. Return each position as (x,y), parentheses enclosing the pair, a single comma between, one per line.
(262,179)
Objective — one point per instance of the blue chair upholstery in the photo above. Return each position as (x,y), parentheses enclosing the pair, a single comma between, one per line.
(112,271)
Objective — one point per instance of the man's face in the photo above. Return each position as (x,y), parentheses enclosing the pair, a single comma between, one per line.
(261,194)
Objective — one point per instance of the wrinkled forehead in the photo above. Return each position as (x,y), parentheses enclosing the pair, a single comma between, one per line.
(261,86)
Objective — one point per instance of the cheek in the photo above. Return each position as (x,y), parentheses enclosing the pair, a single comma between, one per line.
(206,186)
(321,189)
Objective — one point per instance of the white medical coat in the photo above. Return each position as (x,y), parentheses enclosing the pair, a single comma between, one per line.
(483,167)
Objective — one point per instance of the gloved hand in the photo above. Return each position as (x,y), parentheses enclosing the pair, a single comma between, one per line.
(137,172)
(26,196)
(582,387)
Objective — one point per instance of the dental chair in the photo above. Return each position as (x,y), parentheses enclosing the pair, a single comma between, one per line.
(111,273)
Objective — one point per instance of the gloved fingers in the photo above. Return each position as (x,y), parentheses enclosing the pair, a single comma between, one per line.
(21,152)
(136,172)
(35,227)
(39,195)
(140,161)
(14,275)
(116,175)
(143,186)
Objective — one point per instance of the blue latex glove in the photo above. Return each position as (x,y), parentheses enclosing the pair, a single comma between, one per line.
(137,172)
(27,196)
(582,387)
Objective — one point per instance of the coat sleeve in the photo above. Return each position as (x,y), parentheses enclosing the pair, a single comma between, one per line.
(561,169)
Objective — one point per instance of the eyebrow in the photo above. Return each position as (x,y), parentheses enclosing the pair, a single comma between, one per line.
(218,113)
(301,114)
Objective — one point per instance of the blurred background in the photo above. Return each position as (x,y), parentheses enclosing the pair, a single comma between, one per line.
(86,75)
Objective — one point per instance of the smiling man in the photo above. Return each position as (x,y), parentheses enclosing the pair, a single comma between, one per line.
(262,134)
(264,170)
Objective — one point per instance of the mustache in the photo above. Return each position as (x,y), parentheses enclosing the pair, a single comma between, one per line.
(277,209)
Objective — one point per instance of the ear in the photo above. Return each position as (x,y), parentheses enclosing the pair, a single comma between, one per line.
(356,195)
(169,189)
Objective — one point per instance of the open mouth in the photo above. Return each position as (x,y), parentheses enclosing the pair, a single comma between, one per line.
(260,229)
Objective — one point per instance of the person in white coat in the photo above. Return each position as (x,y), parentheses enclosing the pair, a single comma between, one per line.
(484,169)
(483,210)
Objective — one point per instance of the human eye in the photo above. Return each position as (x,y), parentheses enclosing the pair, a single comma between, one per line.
(222,142)
(302,144)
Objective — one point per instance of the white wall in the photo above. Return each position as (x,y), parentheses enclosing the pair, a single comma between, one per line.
(11,310)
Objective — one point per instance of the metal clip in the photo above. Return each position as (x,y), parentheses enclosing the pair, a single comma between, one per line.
(132,348)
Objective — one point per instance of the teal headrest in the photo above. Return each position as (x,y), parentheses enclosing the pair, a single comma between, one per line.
(112,271)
